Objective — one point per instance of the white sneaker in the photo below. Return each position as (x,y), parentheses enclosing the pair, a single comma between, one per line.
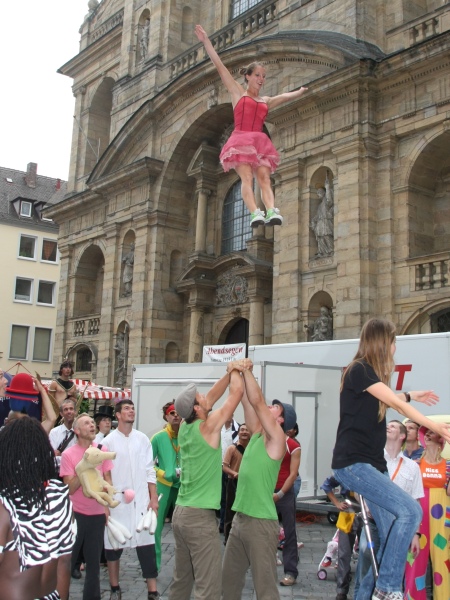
(273,217)
(258,218)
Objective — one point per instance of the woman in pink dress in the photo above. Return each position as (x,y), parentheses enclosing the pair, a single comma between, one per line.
(249,150)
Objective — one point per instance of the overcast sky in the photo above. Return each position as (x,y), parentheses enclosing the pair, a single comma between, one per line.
(36,103)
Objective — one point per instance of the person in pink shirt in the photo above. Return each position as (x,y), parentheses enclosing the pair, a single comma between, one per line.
(89,514)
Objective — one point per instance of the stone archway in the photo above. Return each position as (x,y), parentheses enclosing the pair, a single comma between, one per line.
(428,199)
(320,318)
(235,332)
(84,356)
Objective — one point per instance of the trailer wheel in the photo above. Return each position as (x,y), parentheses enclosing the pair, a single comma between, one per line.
(332,518)
(322,574)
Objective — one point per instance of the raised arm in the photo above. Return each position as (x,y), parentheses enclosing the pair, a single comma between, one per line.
(235,89)
(250,417)
(275,436)
(383,393)
(211,427)
(50,413)
(219,388)
(274,101)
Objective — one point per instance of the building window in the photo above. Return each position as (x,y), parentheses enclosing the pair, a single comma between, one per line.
(49,251)
(42,341)
(27,247)
(84,360)
(46,293)
(440,322)
(19,342)
(24,290)
(25,209)
(241,6)
(236,229)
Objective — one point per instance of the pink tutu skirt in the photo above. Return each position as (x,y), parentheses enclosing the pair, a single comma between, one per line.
(252,148)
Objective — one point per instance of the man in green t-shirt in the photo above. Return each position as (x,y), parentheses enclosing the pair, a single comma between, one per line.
(198,554)
(254,533)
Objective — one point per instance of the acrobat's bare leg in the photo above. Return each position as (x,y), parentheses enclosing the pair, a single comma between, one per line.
(246,176)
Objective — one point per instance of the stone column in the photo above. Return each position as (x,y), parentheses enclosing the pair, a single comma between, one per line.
(105,364)
(287,268)
(200,233)
(256,325)
(196,335)
(63,312)
(77,153)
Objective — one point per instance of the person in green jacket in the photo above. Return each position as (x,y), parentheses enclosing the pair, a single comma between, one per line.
(166,454)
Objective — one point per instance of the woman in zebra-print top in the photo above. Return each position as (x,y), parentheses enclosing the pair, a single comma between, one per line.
(36,525)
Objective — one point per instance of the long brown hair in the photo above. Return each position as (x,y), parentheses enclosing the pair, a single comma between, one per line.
(376,339)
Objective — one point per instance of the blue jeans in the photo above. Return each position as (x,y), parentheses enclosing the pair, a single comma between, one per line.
(396,515)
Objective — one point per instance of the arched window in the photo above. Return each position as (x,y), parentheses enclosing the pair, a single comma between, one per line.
(236,229)
(240,6)
(440,322)
(99,124)
(84,360)
(187,26)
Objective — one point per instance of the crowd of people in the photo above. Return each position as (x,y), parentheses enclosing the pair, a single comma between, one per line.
(204,465)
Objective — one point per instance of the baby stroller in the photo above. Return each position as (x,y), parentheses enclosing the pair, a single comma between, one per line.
(329,560)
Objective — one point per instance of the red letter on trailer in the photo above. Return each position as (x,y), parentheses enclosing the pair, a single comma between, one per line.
(401,370)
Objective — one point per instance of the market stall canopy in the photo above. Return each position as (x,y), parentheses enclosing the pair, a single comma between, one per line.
(98,392)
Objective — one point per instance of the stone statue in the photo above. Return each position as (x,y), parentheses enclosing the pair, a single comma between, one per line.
(145,35)
(323,222)
(127,277)
(322,328)
(121,348)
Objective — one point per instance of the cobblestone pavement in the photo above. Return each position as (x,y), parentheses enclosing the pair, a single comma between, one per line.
(308,587)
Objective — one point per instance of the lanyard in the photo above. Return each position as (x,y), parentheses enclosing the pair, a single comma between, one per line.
(397,469)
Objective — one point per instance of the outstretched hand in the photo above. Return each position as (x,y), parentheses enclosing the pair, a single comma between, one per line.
(200,33)
(442,429)
(427,397)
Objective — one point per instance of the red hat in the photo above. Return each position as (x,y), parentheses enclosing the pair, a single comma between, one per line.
(21,387)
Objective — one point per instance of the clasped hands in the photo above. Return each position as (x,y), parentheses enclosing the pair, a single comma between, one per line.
(243,364)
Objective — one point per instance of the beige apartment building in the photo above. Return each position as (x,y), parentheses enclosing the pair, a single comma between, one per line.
(31,270)
(157,256)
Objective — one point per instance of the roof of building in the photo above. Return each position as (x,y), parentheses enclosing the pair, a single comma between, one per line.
(41,191)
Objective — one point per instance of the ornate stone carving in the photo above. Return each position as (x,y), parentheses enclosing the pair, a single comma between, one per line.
(127,277)
(143,42)
(212,98)
(322,328)
(121,349)
(323,222)
(231,289)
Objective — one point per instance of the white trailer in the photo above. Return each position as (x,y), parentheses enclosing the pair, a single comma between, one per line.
(422,362)
(307,375)
(313,391)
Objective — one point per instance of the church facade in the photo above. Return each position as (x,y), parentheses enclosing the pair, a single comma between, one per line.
(157,254)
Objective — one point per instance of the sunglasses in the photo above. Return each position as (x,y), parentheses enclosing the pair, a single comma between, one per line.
(173,412)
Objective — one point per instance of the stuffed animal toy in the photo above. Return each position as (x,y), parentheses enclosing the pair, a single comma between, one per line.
(93,484)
